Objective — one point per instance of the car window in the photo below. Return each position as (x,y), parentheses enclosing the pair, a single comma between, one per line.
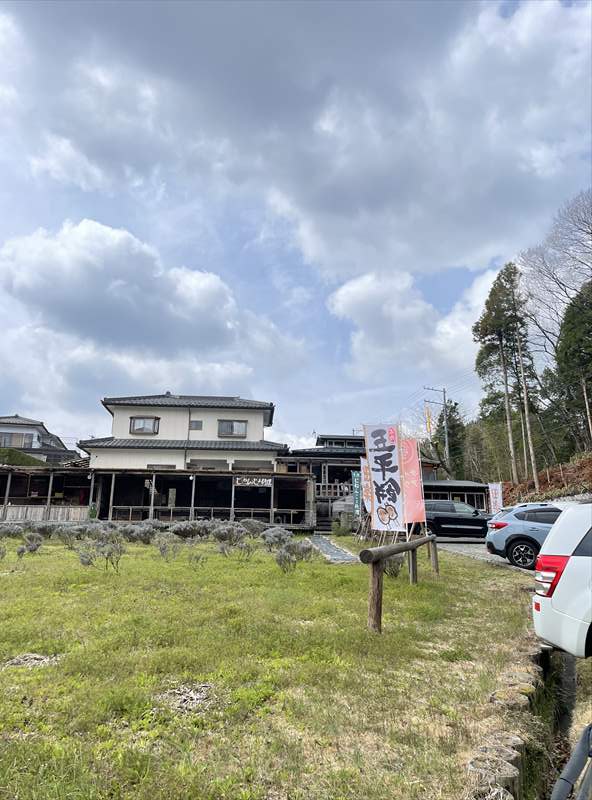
(520,515)
(463,508)
(502,513)
(545,516)
(585,546)
(439,505)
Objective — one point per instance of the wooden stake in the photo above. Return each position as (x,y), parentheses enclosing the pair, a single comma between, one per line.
(434,557)
(413,566)
(375,597)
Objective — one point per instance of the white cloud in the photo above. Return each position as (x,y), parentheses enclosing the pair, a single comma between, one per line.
(65,164)
(394,327)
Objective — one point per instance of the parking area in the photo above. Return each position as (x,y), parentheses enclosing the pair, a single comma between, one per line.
(474,548)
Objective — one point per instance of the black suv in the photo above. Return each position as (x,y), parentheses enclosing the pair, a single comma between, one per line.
(445,518)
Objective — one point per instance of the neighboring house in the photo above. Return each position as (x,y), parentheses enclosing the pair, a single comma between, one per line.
(30,436)
(171,432)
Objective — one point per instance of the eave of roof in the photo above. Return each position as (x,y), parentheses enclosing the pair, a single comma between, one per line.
(191,401)
(181,444)
(452,483)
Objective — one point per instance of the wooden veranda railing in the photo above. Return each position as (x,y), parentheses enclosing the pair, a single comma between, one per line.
(287,516)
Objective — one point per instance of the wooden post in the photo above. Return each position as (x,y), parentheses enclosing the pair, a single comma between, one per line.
(152,490)
(413,566)
(192,509)
(271,498)
(91,491)
(6,495)
(49,491)
(375,596)
(434,557)
(111,493)
(232,500)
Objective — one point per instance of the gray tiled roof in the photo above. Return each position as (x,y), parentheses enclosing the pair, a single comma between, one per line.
(15,419)
(168,400)
(181,444)
(185,400)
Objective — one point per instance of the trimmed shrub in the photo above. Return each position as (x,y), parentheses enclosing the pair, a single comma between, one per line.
(285,560)
(32,541)
(254,527)
(302,551)
(230,533)
(107,548)
(168,545)
(276,537)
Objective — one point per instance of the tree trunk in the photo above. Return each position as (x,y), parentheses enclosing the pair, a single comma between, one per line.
(587,406)
(508,413)
(524,453)
(535,473)
(548,440)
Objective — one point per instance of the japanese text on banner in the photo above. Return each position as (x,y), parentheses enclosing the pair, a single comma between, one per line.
(366,484)
(383,458)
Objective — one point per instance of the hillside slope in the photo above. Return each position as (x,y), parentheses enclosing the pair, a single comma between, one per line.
(572,478)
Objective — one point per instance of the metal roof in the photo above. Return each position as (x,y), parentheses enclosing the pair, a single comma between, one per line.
(180,444)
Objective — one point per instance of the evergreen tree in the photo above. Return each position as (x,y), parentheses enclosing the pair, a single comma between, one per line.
(456,438)
(574,354)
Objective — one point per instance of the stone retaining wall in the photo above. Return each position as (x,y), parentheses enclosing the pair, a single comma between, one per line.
(513,760)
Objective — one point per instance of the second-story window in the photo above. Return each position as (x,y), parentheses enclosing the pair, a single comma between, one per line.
(235,428)
(196,425)
(144,424)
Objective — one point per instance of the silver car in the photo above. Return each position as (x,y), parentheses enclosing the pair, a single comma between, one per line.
(518,534)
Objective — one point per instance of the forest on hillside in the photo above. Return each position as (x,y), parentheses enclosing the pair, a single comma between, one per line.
(534,363)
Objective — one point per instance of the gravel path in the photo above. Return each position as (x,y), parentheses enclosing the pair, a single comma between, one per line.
(333,553)
(478,551)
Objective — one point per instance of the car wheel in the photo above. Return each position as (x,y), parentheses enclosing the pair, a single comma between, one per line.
(522,554)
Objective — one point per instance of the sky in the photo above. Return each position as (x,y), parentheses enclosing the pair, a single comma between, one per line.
(303,203)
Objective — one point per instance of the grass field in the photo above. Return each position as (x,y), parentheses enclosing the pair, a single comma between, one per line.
(304,703)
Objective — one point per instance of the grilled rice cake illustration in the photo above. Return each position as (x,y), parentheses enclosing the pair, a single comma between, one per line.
(387,514)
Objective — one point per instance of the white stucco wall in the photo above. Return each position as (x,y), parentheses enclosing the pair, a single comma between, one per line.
(115,458)
(174,422)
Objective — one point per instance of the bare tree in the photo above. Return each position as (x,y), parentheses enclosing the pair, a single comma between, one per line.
(555,271)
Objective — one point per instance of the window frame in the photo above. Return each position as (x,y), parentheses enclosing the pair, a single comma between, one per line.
(196,422)
(233,435)
(155,425)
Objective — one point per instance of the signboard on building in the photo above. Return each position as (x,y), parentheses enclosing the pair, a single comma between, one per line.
(496,498)
(411,481)
(366,479)
(252,480)
(382,452)
(357,492)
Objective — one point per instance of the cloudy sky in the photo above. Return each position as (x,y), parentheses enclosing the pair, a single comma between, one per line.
(297,202)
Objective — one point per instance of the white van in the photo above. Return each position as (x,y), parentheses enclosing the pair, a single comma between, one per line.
(562,604)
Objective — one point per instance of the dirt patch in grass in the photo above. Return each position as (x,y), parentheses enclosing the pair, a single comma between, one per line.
(187,699)
(31,660)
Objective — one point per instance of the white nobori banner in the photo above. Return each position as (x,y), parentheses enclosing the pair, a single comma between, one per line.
(382,452)
(496,498)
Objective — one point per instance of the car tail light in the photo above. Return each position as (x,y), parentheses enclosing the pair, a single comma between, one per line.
(549,570)
(497,525)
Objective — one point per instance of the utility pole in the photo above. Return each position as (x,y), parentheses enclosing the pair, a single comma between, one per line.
(445,406)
